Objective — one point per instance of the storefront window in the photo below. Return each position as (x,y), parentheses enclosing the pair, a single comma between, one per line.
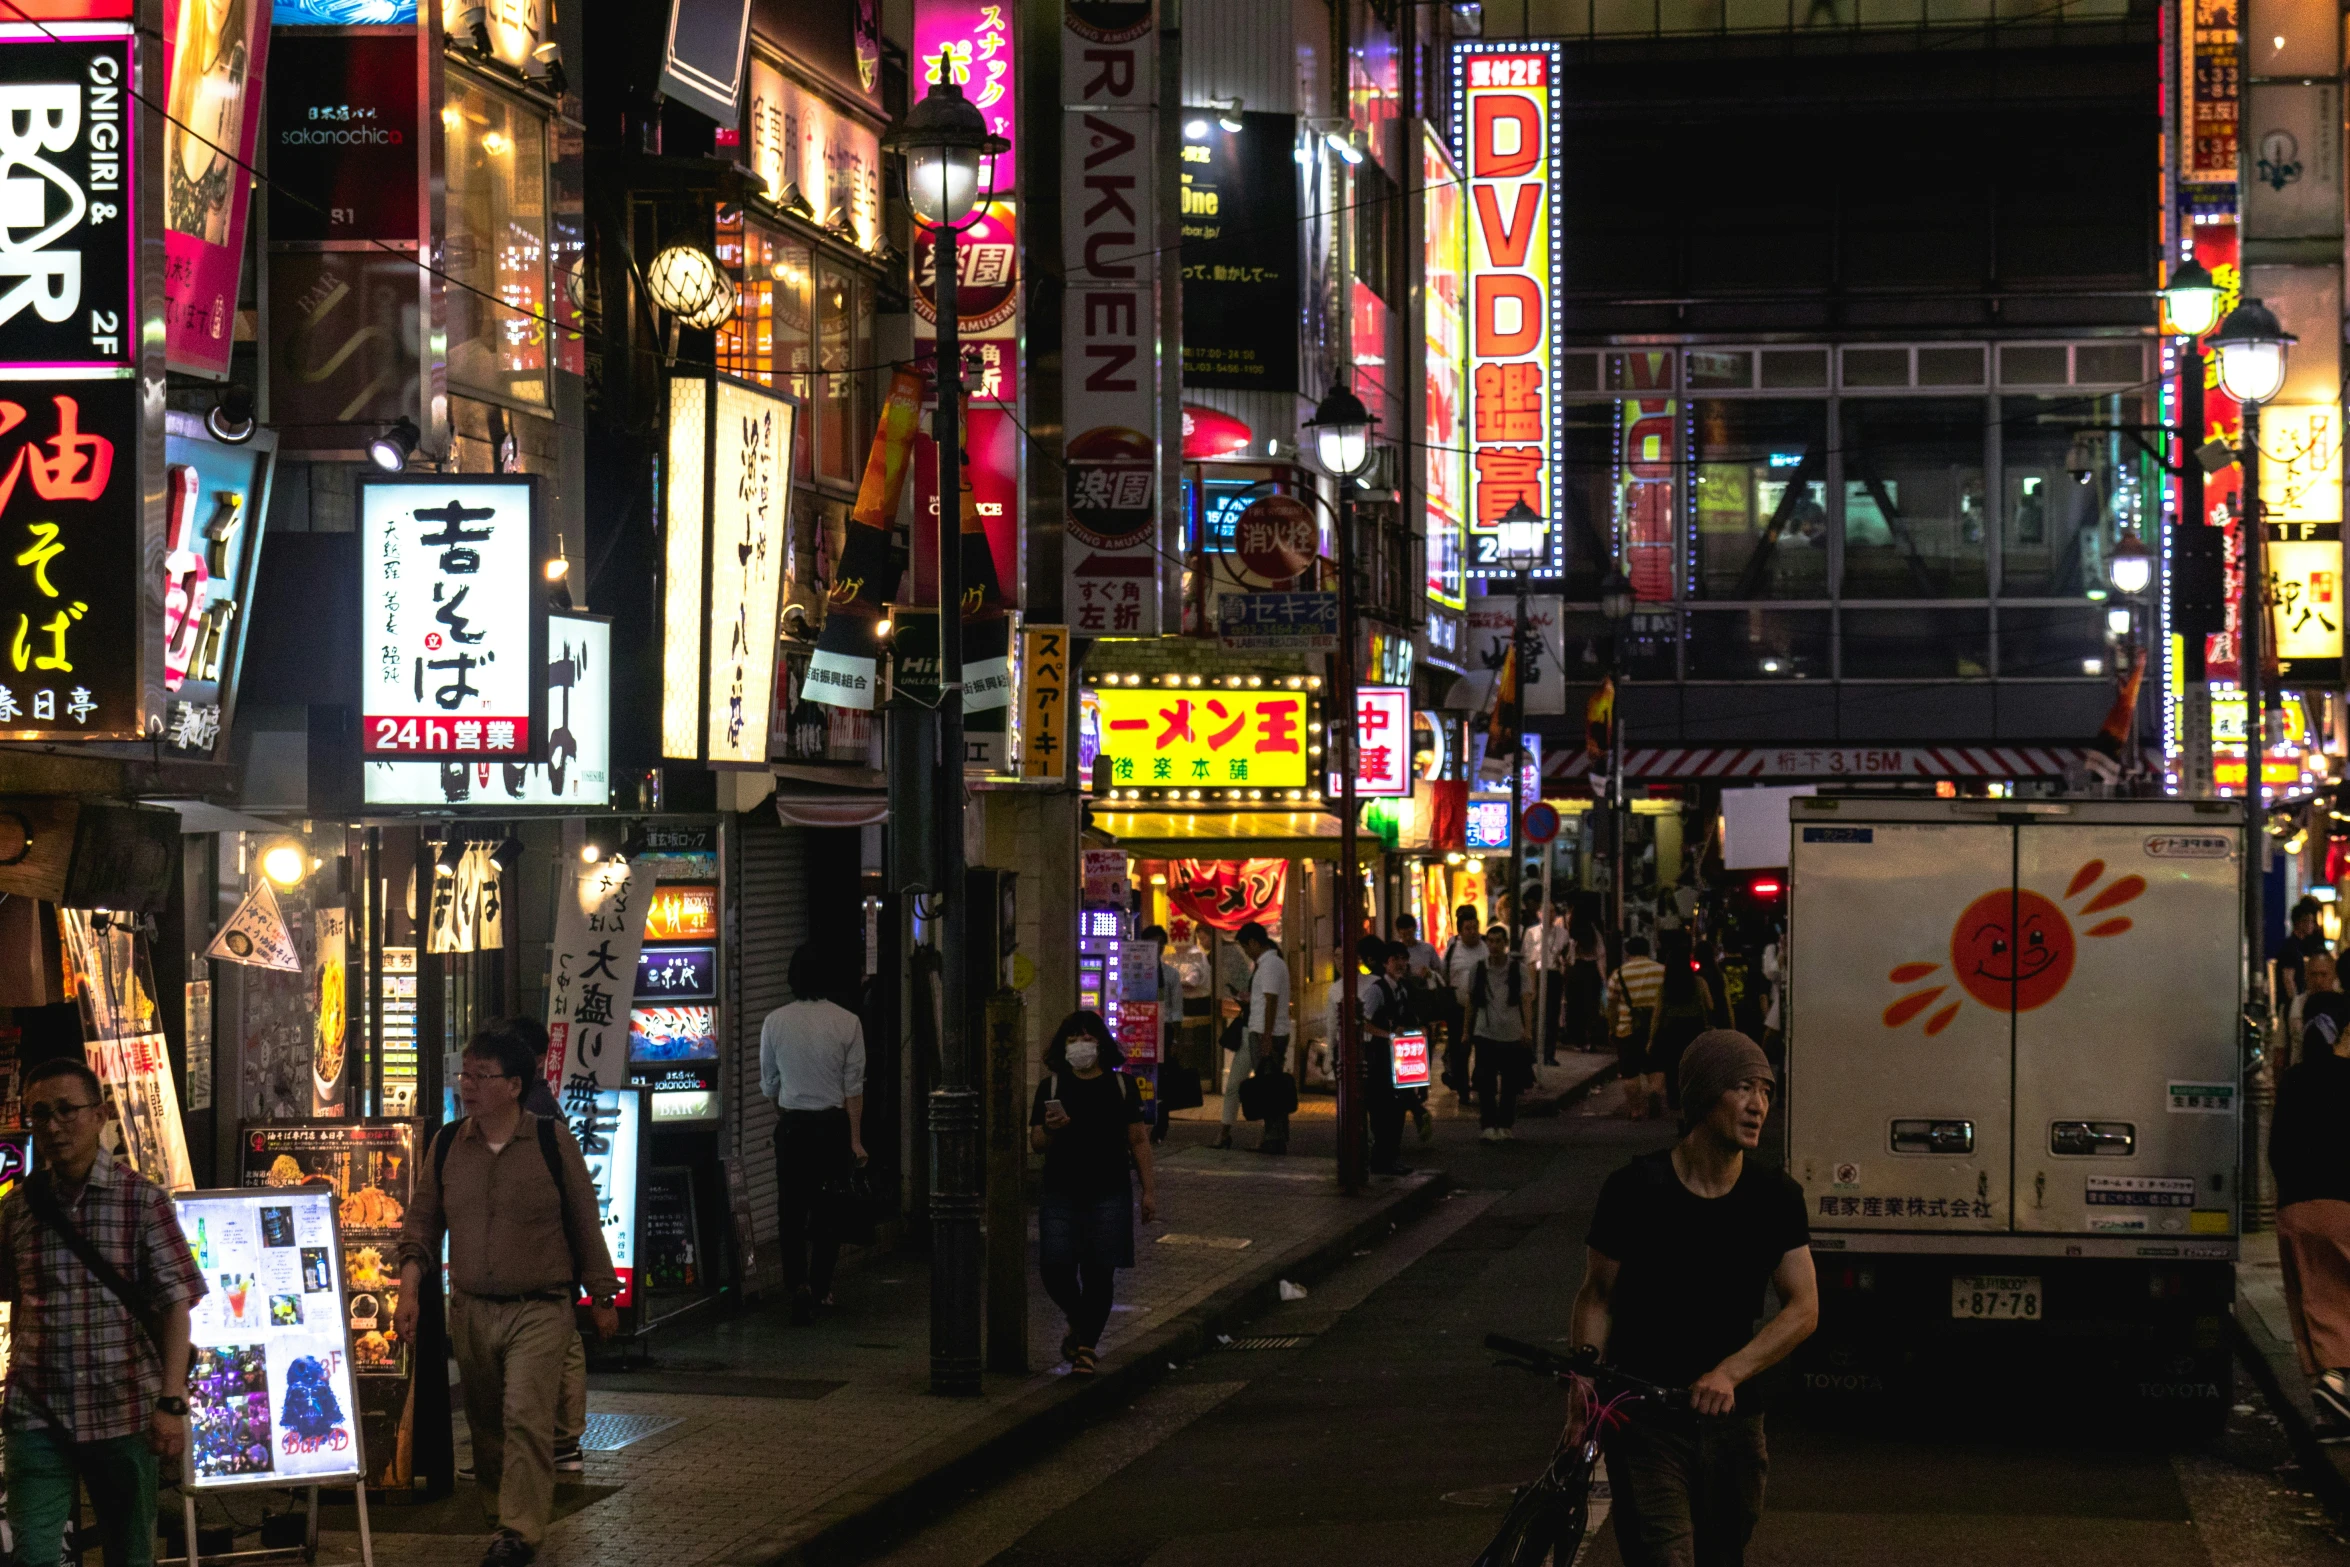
(497,243)
(838,341)
(2049,531)
(1759,644)
(1913,498)
(1762,499)
(768,340)
(1917,644)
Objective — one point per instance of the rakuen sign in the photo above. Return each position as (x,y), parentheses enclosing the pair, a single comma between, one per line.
(1505,132)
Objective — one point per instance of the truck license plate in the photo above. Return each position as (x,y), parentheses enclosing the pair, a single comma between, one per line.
(1994,1296)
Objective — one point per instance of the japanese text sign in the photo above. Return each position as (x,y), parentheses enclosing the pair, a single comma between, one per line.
(1506,135)
(1444,313)
(968,43)
(682,911)
(1383,741)
(1293,622)
(1206,738)
(591,975)
(750,525)
(1044,701)
(608,1125)
(1488,826)
(453,623)
(216,54)
(578,768)
(2305,609)
(69,297)
(1409,1055)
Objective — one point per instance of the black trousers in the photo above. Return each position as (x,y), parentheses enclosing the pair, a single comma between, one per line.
(1456,1047)
(1688,1489)
(811,1147)
(1501,1068)
(1384,1106)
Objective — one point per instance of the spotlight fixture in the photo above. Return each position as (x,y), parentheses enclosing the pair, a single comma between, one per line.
(391,450)
(284,863)
(231,418)
(1229,117)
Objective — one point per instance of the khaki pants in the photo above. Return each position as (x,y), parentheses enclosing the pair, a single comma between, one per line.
(571,1419)
(511,1356)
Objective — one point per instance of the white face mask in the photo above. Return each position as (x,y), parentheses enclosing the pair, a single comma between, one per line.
(1082,1055)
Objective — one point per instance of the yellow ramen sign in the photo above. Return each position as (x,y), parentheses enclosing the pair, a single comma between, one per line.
(1178,739)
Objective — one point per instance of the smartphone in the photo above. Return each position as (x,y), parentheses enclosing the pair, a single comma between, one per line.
(1051,1105)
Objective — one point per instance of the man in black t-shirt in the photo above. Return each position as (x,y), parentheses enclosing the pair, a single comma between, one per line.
(1680,1248)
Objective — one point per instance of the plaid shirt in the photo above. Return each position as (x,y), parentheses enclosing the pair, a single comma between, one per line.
(76,1351)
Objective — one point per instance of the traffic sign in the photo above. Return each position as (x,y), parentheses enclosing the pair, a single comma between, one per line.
(1275,538)
(1542,822)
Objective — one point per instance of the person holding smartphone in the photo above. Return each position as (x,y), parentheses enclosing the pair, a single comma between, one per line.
(1087,1122)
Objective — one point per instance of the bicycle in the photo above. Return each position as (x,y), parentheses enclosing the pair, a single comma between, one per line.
(1548,1518)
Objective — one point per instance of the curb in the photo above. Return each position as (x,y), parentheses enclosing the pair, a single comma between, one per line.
(896,1502)
(2318,1468)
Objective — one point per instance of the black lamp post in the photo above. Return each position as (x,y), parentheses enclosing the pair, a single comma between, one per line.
(1342,441)
(944,140)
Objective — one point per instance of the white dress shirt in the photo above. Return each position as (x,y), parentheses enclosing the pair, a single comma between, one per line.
(811,1056)
(1268,988)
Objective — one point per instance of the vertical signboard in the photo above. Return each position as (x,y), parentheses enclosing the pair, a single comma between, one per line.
(217,51)
(453,618)
(2208,70)
(1044,701)
(591,976)
(1444,283)
(702,55)
(1239,188)
(1506,136)
(1110,355)
(216,498)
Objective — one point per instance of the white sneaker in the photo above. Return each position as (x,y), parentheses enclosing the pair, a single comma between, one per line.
(1491,1134)
(1507,1134)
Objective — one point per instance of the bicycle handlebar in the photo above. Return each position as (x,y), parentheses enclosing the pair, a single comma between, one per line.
(1551,1363)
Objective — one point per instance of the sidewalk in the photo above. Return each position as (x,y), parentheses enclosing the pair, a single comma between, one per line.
(1578,1073)
(2263,1332)
(750,1441)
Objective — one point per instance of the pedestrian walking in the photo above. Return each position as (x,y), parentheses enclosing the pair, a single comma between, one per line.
(1263,1052)
(571,1400)
(1386,1011)
(1681,1245)
(1170,1031)
(1087,1122)
(1684,1010)
(1632,996)
(1585,960)
(1462,956)
(812,1064)
(1501,1008)
(512,1197)
(2312,1165)
(1425,999)
(2320,976)
(101,1281)
(2302,940)
(1539,947)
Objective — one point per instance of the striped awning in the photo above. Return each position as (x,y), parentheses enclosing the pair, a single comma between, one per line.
(1842,761)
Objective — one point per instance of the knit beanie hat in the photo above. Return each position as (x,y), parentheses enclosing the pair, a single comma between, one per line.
(1717,1061)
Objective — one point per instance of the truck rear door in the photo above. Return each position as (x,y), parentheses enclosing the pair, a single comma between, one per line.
(2125,1030)
(1898,1015)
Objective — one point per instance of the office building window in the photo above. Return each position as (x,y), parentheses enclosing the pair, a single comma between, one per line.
(1761,499)
(496,254)
(1914,520)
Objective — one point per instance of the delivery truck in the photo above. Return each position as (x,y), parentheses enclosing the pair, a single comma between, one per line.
(2014,1090)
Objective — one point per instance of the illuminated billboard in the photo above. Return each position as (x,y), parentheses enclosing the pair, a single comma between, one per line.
(1506,137)
(1443,315)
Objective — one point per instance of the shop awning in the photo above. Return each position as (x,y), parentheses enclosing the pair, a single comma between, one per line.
(197,816)
(1840,761)
(1214,835)
(834,808)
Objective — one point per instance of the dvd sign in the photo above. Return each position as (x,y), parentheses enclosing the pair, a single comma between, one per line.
(68,222)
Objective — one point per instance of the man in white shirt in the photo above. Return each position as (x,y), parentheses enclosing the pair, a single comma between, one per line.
(1264,1052)
(1462,955)
(812,1064)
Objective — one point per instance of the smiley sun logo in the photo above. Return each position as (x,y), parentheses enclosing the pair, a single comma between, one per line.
(2013,948)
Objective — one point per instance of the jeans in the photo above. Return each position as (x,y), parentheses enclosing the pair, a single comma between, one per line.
(510,1355)
(120,1474)
(1688,1489)
(811,1147)
(1257,1055)
(1501,1066)
(1081,1243)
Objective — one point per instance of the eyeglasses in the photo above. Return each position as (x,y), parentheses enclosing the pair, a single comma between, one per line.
(47,1114)
(488,1077)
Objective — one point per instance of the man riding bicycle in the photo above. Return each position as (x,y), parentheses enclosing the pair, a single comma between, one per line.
(1680,1248)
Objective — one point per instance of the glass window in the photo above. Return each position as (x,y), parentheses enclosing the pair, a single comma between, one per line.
(1876,367)
(1762,498)
(1791,369)
(1590,511)
(768,340)
(2032,364)
(1917,644)
(497,243)
(836,385)
(1720,368)
(1759,644)
(2050,530)
(1950,367)
(2039,641)
(2123,363)
(1913,499)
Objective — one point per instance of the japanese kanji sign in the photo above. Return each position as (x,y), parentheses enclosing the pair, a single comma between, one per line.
(2305,608)
(1177,738)
(1506,135)
(1383,742)
(750,526)
(1044,701)
(1444,256)
(1292,622)
(453,621)
(256,935)
(578,769)
(591,975)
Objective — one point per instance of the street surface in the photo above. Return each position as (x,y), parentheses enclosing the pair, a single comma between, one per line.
(1386,1434)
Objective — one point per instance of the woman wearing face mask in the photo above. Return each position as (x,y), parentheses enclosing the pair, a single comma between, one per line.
(1087,1122)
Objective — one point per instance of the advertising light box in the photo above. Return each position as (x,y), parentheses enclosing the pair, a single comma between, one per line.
(609,1127)
(1169,738)
(578,770)
(1488,826)
(271,1399)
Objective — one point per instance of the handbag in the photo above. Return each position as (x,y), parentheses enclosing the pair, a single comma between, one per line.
(1268,1094)
(847,1195)
(1179,1088)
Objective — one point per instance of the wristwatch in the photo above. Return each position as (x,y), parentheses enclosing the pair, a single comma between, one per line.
(169,1405)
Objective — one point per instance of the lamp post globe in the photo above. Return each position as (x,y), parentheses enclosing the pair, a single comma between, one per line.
(944,138)
(2132,566)
(2190,300)
(1342,434)
(1615,596)
(1519,537)
(2252,346)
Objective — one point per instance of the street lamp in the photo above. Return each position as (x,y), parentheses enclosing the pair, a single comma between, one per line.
(1518,541)
(2251,347)
(1341,428)
(944,139)
(1615,607)
(2132,567)
(2190,300)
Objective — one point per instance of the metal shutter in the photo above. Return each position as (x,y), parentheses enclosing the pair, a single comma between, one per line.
(774,909)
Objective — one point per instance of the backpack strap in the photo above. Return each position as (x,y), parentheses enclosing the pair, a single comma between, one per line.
(554,1158)
(440,1152)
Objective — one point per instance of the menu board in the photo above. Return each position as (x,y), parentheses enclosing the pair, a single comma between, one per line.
(369,1169)
(608,1124)
(670,1247)
(270,1395)
(399,1030)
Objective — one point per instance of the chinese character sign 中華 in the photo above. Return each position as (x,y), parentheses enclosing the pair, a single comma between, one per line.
(453,627)
(1181,739)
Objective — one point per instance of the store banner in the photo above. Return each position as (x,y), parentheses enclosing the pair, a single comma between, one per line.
(1493,621)
(1229,893)
(750,532)
(1111,365)
(1044,701)
(843,671)
(1383,742)
(807,153)
(330,1011)
(212,78)
(591,975)
(577,773)
(2304,592)
(468,908)
(1240,191)
(113,981)
(256,934)
(1443,296)
(216,500)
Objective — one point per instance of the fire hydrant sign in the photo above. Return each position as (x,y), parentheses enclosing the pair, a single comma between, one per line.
(453,621)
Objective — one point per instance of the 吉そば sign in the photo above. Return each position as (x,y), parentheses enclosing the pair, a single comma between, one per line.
(453,646)
(578,768)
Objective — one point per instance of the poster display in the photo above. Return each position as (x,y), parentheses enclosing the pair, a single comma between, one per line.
(577,773)
(343,116)
(1239,187)
(609,1126)
(216,498)
(453,637)
(217,52)
(399,1031)
(330,1010)
(591,976)
(270,1376)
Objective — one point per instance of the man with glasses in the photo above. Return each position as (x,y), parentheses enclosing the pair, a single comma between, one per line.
(92,1257)
(513,1196)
